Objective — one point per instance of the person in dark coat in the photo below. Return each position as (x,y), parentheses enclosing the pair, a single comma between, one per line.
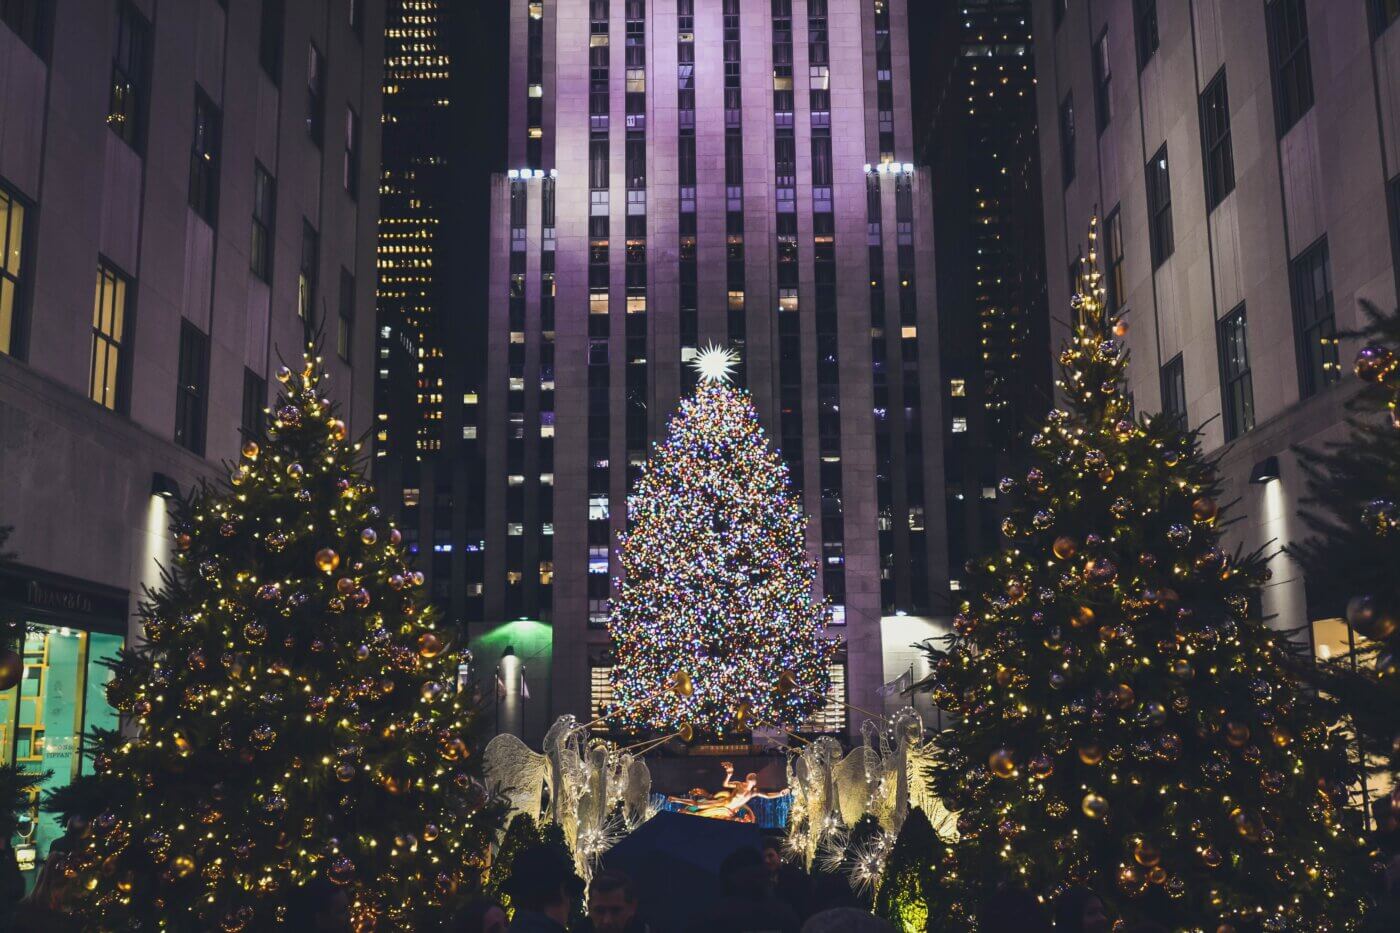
(748,903)
(789,883)
(542,888)
(612,906)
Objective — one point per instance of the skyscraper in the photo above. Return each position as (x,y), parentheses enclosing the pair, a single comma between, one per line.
(440,143)
(415,185)
(687,172)
(978,114)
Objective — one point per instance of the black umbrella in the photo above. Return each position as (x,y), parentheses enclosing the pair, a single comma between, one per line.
(674,860)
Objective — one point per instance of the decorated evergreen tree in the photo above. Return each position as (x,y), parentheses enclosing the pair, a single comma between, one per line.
(1352,556)
(1126,721)
(910,878)
(716,590)
(522,833)
(293,709)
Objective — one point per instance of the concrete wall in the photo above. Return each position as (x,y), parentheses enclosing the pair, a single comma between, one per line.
(75,477)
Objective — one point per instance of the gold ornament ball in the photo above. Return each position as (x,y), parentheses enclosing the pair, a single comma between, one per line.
(250,449)
(1147,854)
(1236,733)
(284,375)
(338,430)
(368,536)
(417,578)
(430,644)
(395,536)
(1064,547)
(1091,754)
(341,870)
(1081,616)
(1204,509)
(1094,806)
(1002,763)
(327,560)
(680,684)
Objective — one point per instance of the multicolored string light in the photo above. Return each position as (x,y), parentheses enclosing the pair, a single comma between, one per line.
(716,581)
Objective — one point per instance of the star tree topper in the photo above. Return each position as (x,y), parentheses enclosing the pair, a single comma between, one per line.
(716,363)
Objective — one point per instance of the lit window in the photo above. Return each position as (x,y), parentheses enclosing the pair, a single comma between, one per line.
(957,388)
(959,425)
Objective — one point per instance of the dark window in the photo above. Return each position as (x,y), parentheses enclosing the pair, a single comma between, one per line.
(264,221)
(1159,208)
(315,94)
(1292,63)
(1103,83)
(1174,390)
(204,158)
(13,213)
(1113,254)
(192,392)
(28,19)
(1383,13)
(110,326)
(345,331)
(1058,8)
(350,163)
(1145,27)
(1393,193)
(1215,139)
(270,39)
(1236,386)
(1067,139)
(1314,322)
(821,161)
(357,17)
(306,276)
(254,401)
(126,108)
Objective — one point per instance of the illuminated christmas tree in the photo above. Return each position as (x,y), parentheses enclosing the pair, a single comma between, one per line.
(294,708)
(716,590)
(1352,554)
(1126,720)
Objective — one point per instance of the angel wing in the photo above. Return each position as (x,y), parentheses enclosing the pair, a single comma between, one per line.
(517,773)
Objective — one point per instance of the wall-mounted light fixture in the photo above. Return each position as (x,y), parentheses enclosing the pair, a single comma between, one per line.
(164,486)
(1265,471)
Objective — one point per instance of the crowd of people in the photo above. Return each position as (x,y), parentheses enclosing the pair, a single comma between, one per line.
(760,893)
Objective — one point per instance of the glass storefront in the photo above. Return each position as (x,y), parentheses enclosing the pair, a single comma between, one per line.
(60,696)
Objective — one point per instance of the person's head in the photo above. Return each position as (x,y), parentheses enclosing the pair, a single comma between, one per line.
(772,854)
(612,902)
(751,780)
(319,905)
(543,880)
(742,874)
(1080,910)
(1011,910)
(480,916)
(845,920)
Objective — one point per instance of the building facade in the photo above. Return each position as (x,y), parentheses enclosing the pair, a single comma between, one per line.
(978,116)
(186,189)
(1245,161)
(689,172)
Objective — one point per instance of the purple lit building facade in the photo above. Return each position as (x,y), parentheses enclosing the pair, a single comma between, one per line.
(687,172)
